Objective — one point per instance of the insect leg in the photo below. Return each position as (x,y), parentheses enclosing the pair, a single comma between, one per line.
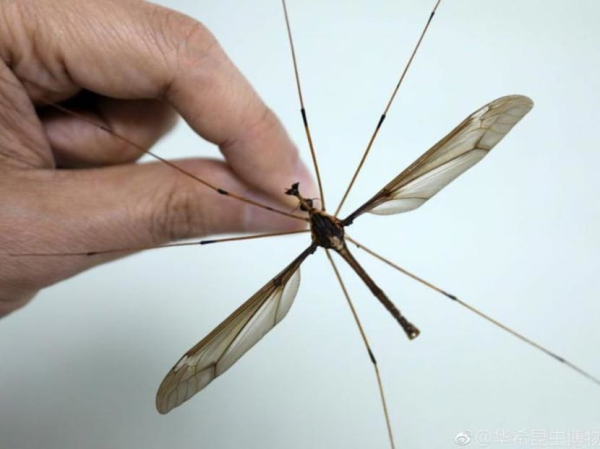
(479,313)
(367,346)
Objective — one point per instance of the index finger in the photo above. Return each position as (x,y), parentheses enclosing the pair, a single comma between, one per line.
(134,49)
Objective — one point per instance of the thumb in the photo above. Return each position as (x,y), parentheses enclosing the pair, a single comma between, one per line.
(123,207)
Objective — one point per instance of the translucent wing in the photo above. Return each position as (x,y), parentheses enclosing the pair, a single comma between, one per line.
(462,148)
(220,349)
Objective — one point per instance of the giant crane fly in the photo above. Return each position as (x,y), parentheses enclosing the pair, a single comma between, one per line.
(455,153)
(462,148)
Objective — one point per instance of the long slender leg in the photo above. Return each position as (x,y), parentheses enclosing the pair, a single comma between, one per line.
(479,313)
(173,165)
(367,346)
(313,154)
(387,108)
(169,245)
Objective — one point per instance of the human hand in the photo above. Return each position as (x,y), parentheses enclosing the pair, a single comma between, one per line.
(68,186)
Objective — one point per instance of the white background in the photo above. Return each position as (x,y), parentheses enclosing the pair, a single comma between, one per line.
(517,236)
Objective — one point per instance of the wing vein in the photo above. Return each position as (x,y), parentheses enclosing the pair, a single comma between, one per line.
(459,150)
(231,339)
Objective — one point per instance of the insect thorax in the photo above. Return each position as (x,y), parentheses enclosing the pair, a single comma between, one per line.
(326,230)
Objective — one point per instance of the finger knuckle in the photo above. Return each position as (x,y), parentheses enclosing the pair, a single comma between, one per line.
(261,123)
(266,121)
(183,41)
(177,216)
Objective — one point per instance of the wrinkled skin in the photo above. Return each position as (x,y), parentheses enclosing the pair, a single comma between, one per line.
(66,186)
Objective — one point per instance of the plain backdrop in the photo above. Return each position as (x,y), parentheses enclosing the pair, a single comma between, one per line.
(517,236)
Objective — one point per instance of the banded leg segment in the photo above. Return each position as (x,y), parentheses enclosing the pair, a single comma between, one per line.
(479,313)
(168,245)
(313,153)
(367,347)
(387,108)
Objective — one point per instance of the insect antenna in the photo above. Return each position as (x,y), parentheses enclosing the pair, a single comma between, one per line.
(387,108)
(478,312)
(143,150)
(169,245)
(302,108)
(367,346)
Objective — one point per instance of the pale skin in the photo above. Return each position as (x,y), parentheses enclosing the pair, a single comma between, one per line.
(66,186)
